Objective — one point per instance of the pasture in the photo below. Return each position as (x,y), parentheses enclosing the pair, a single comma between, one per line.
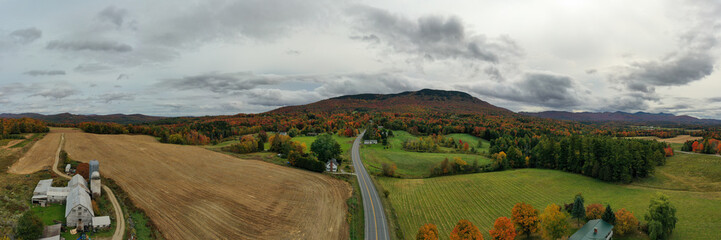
(483,197)
(415,164)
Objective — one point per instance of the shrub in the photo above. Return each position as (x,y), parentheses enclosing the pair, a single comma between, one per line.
(594,211)
(389,170)
(29,226)
(429,231)
(625,222)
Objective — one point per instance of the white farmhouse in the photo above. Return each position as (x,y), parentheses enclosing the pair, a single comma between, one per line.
(331,165)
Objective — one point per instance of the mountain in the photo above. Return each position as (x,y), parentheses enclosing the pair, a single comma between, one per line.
(73,118)
(639,117)
(426,100)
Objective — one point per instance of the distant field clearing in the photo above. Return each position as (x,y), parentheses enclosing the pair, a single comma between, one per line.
(677,139)
(194,193)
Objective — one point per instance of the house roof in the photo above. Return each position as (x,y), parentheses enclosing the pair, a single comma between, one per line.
(43,186)
(78,196)
(587,233)
(102,220)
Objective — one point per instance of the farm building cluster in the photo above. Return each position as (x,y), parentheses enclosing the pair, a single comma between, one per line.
(77,199)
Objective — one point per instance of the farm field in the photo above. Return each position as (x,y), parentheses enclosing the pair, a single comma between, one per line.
(687,172)
(193,193)
(415,164)
(678,139)
(41,155)
(483,197)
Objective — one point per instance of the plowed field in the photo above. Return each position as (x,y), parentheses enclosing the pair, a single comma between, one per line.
(193,193)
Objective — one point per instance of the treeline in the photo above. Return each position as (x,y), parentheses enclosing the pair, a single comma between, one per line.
(457,166)
(164,134)
(707,146)
(433,143)
(9,126)
(604,158)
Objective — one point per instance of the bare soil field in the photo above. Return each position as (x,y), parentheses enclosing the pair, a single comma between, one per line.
(41,155)
(193,193)
(677,139)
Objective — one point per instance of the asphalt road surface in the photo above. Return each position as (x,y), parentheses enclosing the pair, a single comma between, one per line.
(375,218)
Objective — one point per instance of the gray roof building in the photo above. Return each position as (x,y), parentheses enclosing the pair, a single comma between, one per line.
(78,208)
(596,229)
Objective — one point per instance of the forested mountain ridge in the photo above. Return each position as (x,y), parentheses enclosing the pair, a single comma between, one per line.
(69,118)
(638,117)
(426,100)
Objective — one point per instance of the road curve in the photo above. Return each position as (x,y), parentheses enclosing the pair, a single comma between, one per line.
(120,225)
(376,226)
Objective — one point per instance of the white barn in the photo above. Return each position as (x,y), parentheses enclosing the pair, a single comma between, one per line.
(331,165)
(79,209)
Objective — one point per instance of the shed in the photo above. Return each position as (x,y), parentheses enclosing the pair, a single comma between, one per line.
(370,141)
(51,231)
(67,168)
(596,229)
(331,165)
(101,222)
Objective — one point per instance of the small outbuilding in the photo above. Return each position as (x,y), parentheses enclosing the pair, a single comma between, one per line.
(67,168)
(101,222)
(370,141)
(331,165)
(596,229)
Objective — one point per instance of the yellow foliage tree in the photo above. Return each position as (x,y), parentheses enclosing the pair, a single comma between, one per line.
(553,222)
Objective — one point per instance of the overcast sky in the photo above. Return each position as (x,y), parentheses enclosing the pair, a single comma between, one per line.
(208,57)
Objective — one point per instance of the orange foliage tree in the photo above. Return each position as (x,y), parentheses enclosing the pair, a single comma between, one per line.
(594,211)
(429,231)
(625,222)
(465,230)
(525,217)
(503,229)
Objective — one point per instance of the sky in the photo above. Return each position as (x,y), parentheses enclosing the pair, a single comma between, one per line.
(216,57)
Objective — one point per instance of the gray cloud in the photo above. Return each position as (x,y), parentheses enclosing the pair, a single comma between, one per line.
(56,93)
(674,71)
(122,76)
(431,37)
(91,67)
(231,20)
(35,73)
(277,97)
(26,35)
(113,15)
(111,97)
(219,82)
(104,46)
(541,89)
(384,82)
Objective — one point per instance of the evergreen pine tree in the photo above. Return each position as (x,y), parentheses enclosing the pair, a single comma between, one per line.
(609,216)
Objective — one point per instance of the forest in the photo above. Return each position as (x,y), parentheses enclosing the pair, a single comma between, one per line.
(9,128)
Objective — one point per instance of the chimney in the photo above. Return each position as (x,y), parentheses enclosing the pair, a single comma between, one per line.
(595,230)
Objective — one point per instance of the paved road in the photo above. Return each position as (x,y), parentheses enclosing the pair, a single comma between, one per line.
(376,225)
(120,226)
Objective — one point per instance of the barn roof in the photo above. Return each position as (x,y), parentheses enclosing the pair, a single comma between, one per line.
(78,196)
(43,185)
(77,179)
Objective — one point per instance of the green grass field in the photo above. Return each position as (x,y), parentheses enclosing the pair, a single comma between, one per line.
(483,197)
(50,214)
(687,172)
(414,164)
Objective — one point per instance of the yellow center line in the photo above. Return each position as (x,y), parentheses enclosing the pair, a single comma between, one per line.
(375,222)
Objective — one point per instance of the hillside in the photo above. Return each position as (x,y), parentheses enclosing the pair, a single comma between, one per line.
(426,100)
(74,118)
(639,117)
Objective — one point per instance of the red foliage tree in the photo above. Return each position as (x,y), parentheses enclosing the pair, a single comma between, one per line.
(503,229)
(83,169)
(465,230)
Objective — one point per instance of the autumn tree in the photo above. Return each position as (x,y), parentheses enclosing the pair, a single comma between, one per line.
(429,231)
(465,230)
(625,222)
(578,210)
(500,161)
(503,229)
(609,216)
(389,170)
(553,222)
(594,211)
(525,217)
(83,169)
(661,217)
